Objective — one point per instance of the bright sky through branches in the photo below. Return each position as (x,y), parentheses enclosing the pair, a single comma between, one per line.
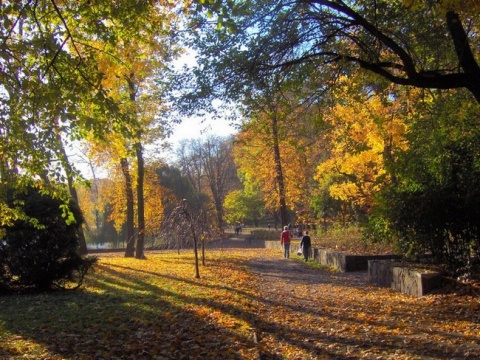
(196,127)
(193,128)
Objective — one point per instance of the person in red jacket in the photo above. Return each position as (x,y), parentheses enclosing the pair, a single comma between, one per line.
(285,239)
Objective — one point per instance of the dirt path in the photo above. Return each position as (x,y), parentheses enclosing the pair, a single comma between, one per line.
(340,316)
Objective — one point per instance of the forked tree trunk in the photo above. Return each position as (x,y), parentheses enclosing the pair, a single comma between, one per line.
(139,251)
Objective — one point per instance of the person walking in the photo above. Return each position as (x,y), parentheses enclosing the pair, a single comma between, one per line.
(285,239)
(305,245)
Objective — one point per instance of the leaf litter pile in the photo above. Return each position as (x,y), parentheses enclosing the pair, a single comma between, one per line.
(248,304)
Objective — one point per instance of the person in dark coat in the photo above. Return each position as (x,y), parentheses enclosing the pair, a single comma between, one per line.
(306,245)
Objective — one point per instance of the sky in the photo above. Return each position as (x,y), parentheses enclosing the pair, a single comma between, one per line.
(194,128)
(190,128)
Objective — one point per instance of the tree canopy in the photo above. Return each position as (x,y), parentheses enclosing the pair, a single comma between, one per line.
(425,44)
(53,80)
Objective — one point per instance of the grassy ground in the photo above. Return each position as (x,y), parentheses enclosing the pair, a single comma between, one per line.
(134,309)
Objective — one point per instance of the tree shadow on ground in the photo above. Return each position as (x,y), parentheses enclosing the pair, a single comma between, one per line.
(291,311)
(342,312)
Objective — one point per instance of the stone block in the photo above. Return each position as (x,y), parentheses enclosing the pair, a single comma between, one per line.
(415,281)
(380,271)
(346,263)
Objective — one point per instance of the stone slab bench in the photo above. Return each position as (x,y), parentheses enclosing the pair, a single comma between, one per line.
(335,259)
(380,271)
(415,281)
(383,270)
(405,278)
(347,263)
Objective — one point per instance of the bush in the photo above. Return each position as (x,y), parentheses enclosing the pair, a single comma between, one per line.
(39,252)
(350,239)
(437,214)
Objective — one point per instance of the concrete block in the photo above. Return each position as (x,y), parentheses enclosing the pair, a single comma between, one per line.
(380,271)
(415,281)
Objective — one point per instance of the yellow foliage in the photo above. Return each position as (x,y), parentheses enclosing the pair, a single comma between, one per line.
(110,192)
(254,155)
(365,129)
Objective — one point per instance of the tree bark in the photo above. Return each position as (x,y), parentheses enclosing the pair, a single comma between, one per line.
(139,254)
(130,248)
(139,251)
(279,171)
(406,71)
(464,53)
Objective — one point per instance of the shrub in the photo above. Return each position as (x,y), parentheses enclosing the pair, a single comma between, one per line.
(436,213)
(39,251)
(349,239)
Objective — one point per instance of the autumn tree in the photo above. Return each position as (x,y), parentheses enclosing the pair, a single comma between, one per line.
(276,147)
(268,98)
(366,131)
(40,85)
(241,205)
(129,69)
(108,199)
(432,205)
(97,209)
(208,164)
(259,154)
(424,45)
(50,70)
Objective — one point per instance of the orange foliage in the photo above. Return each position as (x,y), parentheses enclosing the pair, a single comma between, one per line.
(111,192)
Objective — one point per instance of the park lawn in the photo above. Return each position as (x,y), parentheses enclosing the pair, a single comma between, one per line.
(138,309)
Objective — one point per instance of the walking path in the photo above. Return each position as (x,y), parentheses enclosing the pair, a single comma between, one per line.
(329,315)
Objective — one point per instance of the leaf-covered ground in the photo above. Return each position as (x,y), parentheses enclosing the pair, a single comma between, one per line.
(248,304)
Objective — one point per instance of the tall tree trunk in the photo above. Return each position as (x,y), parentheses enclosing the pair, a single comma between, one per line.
(219,210)
(140,202)
(279,171)
(130,248)
(139,253)
(216,192)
